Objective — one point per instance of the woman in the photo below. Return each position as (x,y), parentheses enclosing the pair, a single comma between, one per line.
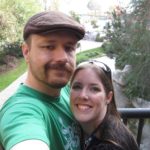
(93,105)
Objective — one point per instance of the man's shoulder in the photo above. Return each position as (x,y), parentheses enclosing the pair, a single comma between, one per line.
(22,102)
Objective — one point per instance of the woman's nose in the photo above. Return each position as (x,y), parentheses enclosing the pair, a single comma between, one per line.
(84,94)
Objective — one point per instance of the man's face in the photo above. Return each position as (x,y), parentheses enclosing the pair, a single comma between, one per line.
(51,58)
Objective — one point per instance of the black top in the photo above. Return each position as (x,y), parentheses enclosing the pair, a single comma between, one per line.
(113,136)
(96,144)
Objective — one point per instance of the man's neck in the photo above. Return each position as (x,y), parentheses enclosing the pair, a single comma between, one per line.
(42,87)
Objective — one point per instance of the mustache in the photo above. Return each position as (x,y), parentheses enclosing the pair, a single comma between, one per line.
(61,66)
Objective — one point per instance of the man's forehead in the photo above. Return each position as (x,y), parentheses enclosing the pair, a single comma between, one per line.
(53,37)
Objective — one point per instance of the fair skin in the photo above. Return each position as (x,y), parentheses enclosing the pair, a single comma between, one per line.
(51,62)
(88,99)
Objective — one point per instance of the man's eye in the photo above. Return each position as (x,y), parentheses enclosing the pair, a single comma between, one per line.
(69,48)
(48,47)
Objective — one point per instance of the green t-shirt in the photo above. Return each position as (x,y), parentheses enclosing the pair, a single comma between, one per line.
(29,114)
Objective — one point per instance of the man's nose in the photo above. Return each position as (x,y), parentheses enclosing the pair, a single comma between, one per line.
(61,55)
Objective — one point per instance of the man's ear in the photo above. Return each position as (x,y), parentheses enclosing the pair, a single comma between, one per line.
(109,97)
(25,51)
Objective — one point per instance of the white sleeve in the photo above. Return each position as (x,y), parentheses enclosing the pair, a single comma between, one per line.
(31,145)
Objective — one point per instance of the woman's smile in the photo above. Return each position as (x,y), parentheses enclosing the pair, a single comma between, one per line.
(83,107)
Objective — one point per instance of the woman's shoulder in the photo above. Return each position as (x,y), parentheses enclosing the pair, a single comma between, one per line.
(104,145)
(97,144)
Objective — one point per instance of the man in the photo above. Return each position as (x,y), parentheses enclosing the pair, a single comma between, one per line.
(37,116)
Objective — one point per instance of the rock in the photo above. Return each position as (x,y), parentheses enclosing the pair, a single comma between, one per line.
(139,102)
(119,83)
(121,99)
(118,75)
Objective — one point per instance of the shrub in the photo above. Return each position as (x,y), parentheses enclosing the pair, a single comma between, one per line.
(13,49)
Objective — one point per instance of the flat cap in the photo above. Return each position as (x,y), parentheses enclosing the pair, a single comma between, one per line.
(52,21)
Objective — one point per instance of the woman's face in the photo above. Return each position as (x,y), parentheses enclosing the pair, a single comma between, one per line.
(88,97)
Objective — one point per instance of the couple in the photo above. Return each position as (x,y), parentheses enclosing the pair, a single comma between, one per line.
(38,116)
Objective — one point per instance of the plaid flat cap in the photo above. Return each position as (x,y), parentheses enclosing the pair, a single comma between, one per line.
(52,21)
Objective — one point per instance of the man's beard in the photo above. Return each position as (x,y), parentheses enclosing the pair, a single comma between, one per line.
(56,66)
(57,85)
(65,67)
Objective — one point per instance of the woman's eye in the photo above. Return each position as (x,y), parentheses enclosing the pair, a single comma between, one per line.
(76,87)
(50,47)
(95,89)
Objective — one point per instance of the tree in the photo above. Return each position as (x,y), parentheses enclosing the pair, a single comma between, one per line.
(13,15)
(75,16)
(128,35)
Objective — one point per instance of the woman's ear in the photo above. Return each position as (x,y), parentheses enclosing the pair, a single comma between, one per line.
(109,97)
(25,51)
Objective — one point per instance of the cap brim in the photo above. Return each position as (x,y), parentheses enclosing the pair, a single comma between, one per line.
(78,34)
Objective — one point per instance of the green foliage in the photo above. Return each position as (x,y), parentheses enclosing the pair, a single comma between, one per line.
(13,15)
(128,38)
(2,56)
(8,77)
(89,54)
(114,35)
(75,16)
(13,49)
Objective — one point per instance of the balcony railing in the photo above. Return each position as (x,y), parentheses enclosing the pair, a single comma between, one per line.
(133,113)
(141,114)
